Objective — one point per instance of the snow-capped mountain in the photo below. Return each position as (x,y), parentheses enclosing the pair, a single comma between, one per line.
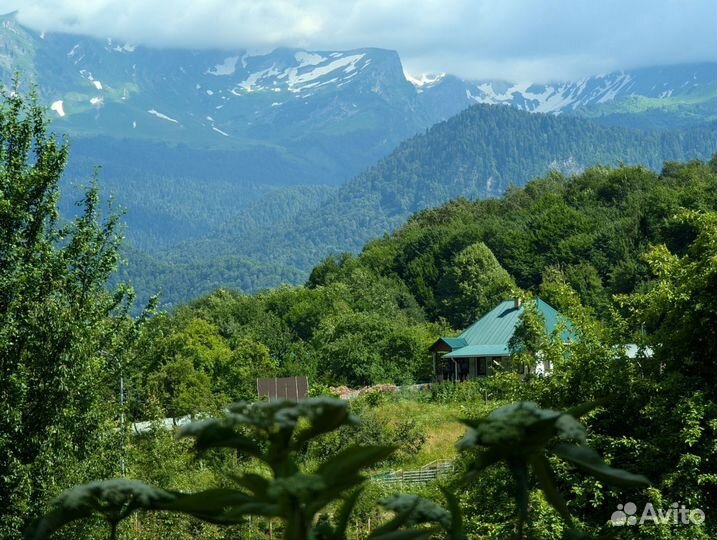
(324,114)
(319,116)
(190,141)
(656,88)
(291,96)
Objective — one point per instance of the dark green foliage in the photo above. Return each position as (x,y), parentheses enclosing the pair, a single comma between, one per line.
(474,283)
(361,319)
(62,333)
(65,340)
(271,433)
(405,436)
(359,329)
(592,229)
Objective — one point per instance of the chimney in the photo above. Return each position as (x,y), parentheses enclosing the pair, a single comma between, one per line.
(516,302)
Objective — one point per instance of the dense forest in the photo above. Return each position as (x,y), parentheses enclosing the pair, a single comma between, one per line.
(369,318)
(627,254)
(481,152)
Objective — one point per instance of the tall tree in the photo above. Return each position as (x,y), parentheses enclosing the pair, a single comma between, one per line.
(59,326)
(473,284)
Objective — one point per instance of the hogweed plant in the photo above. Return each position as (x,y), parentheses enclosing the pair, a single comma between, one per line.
(521,436)
(274,433)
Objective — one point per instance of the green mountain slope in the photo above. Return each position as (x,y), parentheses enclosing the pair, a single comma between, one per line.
(369,318)
(477,154)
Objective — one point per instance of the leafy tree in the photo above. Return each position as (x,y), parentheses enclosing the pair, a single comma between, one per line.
(365,348)
(679,309)
(248,361)
(474,284)
(61,331)
(182,388)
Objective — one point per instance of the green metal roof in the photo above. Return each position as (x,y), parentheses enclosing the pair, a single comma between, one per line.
(454,343)
(479,350)
(490,335)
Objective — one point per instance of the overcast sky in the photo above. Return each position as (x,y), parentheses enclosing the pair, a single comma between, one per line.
(536,40)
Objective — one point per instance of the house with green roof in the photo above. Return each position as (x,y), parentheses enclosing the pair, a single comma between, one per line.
(483,347)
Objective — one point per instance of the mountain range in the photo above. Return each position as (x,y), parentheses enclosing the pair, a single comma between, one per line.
(244,150)
(226,98)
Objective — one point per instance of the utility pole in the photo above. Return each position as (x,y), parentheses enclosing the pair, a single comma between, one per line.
(122,433)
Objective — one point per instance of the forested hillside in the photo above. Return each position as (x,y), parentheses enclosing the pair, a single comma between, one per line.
(173,194)
(479,153)
(368,318)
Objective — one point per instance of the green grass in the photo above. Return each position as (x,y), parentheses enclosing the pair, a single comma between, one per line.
(439,422)
(696,106)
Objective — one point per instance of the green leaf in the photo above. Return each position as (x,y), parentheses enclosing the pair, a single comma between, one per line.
(215,434)
(333,492)
(455,531)
(324,414)
(342,521)
(541,469)
(255,483)
(581,410)
(218,505)
(589,461)
(539,432)
(350,461)
(43,528)
(114,500)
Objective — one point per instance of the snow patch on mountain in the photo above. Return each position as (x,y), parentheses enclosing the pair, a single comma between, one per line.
(250,84)
(551,98)
(58,107)
(614,88)
(127,47)
(158,114)
(298,81)
(308,59)
(424,80)
(227,67)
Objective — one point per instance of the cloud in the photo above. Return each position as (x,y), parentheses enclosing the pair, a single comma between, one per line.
(515,40)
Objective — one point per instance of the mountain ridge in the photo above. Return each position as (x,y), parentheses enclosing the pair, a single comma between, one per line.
(226,97)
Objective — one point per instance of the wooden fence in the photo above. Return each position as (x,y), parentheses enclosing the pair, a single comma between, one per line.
(429,472)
